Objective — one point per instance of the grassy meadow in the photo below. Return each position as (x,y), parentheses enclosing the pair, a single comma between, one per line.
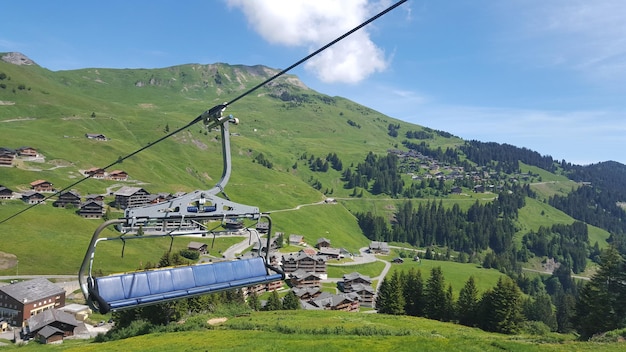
(325,330)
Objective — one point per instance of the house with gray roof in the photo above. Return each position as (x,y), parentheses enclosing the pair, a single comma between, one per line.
(24,299)
(51,324)
(131,197)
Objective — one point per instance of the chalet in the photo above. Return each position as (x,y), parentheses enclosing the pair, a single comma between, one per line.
(479,189)
(5,193)
(397,260)
(96,197)
(328,301)
(301,278)
(294,261)
(24,299)
(158,198)
(456,190)
(198,247)
(67,198)
(42,186)
(296,239)
(32,197)
(91,209)
(269,287)
(118,175)
(379,247)
(366,294)
(322,242)
(352,279)
(96,136)
(51,325)
(131,197)
(95,172)
(6,156)
(307,293)
(27,152)
(261,246)
(330,253)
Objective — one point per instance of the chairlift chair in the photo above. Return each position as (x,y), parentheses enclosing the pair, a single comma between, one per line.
(179,216)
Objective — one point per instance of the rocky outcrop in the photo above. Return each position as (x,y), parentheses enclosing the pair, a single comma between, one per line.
(17,59)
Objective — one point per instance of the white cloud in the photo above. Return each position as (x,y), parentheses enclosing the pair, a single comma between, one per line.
(314,23)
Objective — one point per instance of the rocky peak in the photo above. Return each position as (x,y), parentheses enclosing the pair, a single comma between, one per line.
(17,59)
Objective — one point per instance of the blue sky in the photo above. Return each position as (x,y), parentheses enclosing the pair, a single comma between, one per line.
(546,75)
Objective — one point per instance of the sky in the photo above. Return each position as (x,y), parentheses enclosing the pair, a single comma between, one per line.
(549,76)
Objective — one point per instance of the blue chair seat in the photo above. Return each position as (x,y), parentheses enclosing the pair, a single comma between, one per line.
(150,287)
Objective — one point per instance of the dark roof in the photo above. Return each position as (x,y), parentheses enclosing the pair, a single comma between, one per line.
(196,245)
(48,331)
(32,290)
(354,275)
(49,316)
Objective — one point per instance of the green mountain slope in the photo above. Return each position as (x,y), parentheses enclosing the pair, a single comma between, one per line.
(285,122)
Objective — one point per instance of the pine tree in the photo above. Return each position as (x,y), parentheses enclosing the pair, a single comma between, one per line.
(435,295)
(253,301)
(291,301)
(468,303)
(500,307)
(274,302)
(390,299)
(414,293)
(540,309)
(600,306)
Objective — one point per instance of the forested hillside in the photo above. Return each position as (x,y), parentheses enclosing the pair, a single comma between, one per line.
(482,203)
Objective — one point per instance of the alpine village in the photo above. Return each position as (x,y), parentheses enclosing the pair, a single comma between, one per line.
(384,235)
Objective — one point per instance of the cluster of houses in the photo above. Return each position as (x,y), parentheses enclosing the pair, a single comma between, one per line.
(8,156)
(306,271)
(416,161)
(37,308)
(92,205)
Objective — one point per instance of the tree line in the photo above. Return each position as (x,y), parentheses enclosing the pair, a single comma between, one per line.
(553,304)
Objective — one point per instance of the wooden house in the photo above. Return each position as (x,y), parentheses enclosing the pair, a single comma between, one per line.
(329,301)
(32,197)
(96,197)
(367,295)
(307,293)
(42,186)
(5,193)
(199,247)
(301,278)
(294,261)
(91,209)
(27,152)
(51,325)
(354,278)
(296,239)
(379,247)
(7,156)
(118,175)
(330,253)
(67,198)
(95,172)
(322,242)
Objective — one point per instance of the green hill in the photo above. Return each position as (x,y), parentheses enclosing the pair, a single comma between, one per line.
(315,331)
(285,122)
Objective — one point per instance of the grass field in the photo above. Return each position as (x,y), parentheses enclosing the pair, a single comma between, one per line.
(331,331)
